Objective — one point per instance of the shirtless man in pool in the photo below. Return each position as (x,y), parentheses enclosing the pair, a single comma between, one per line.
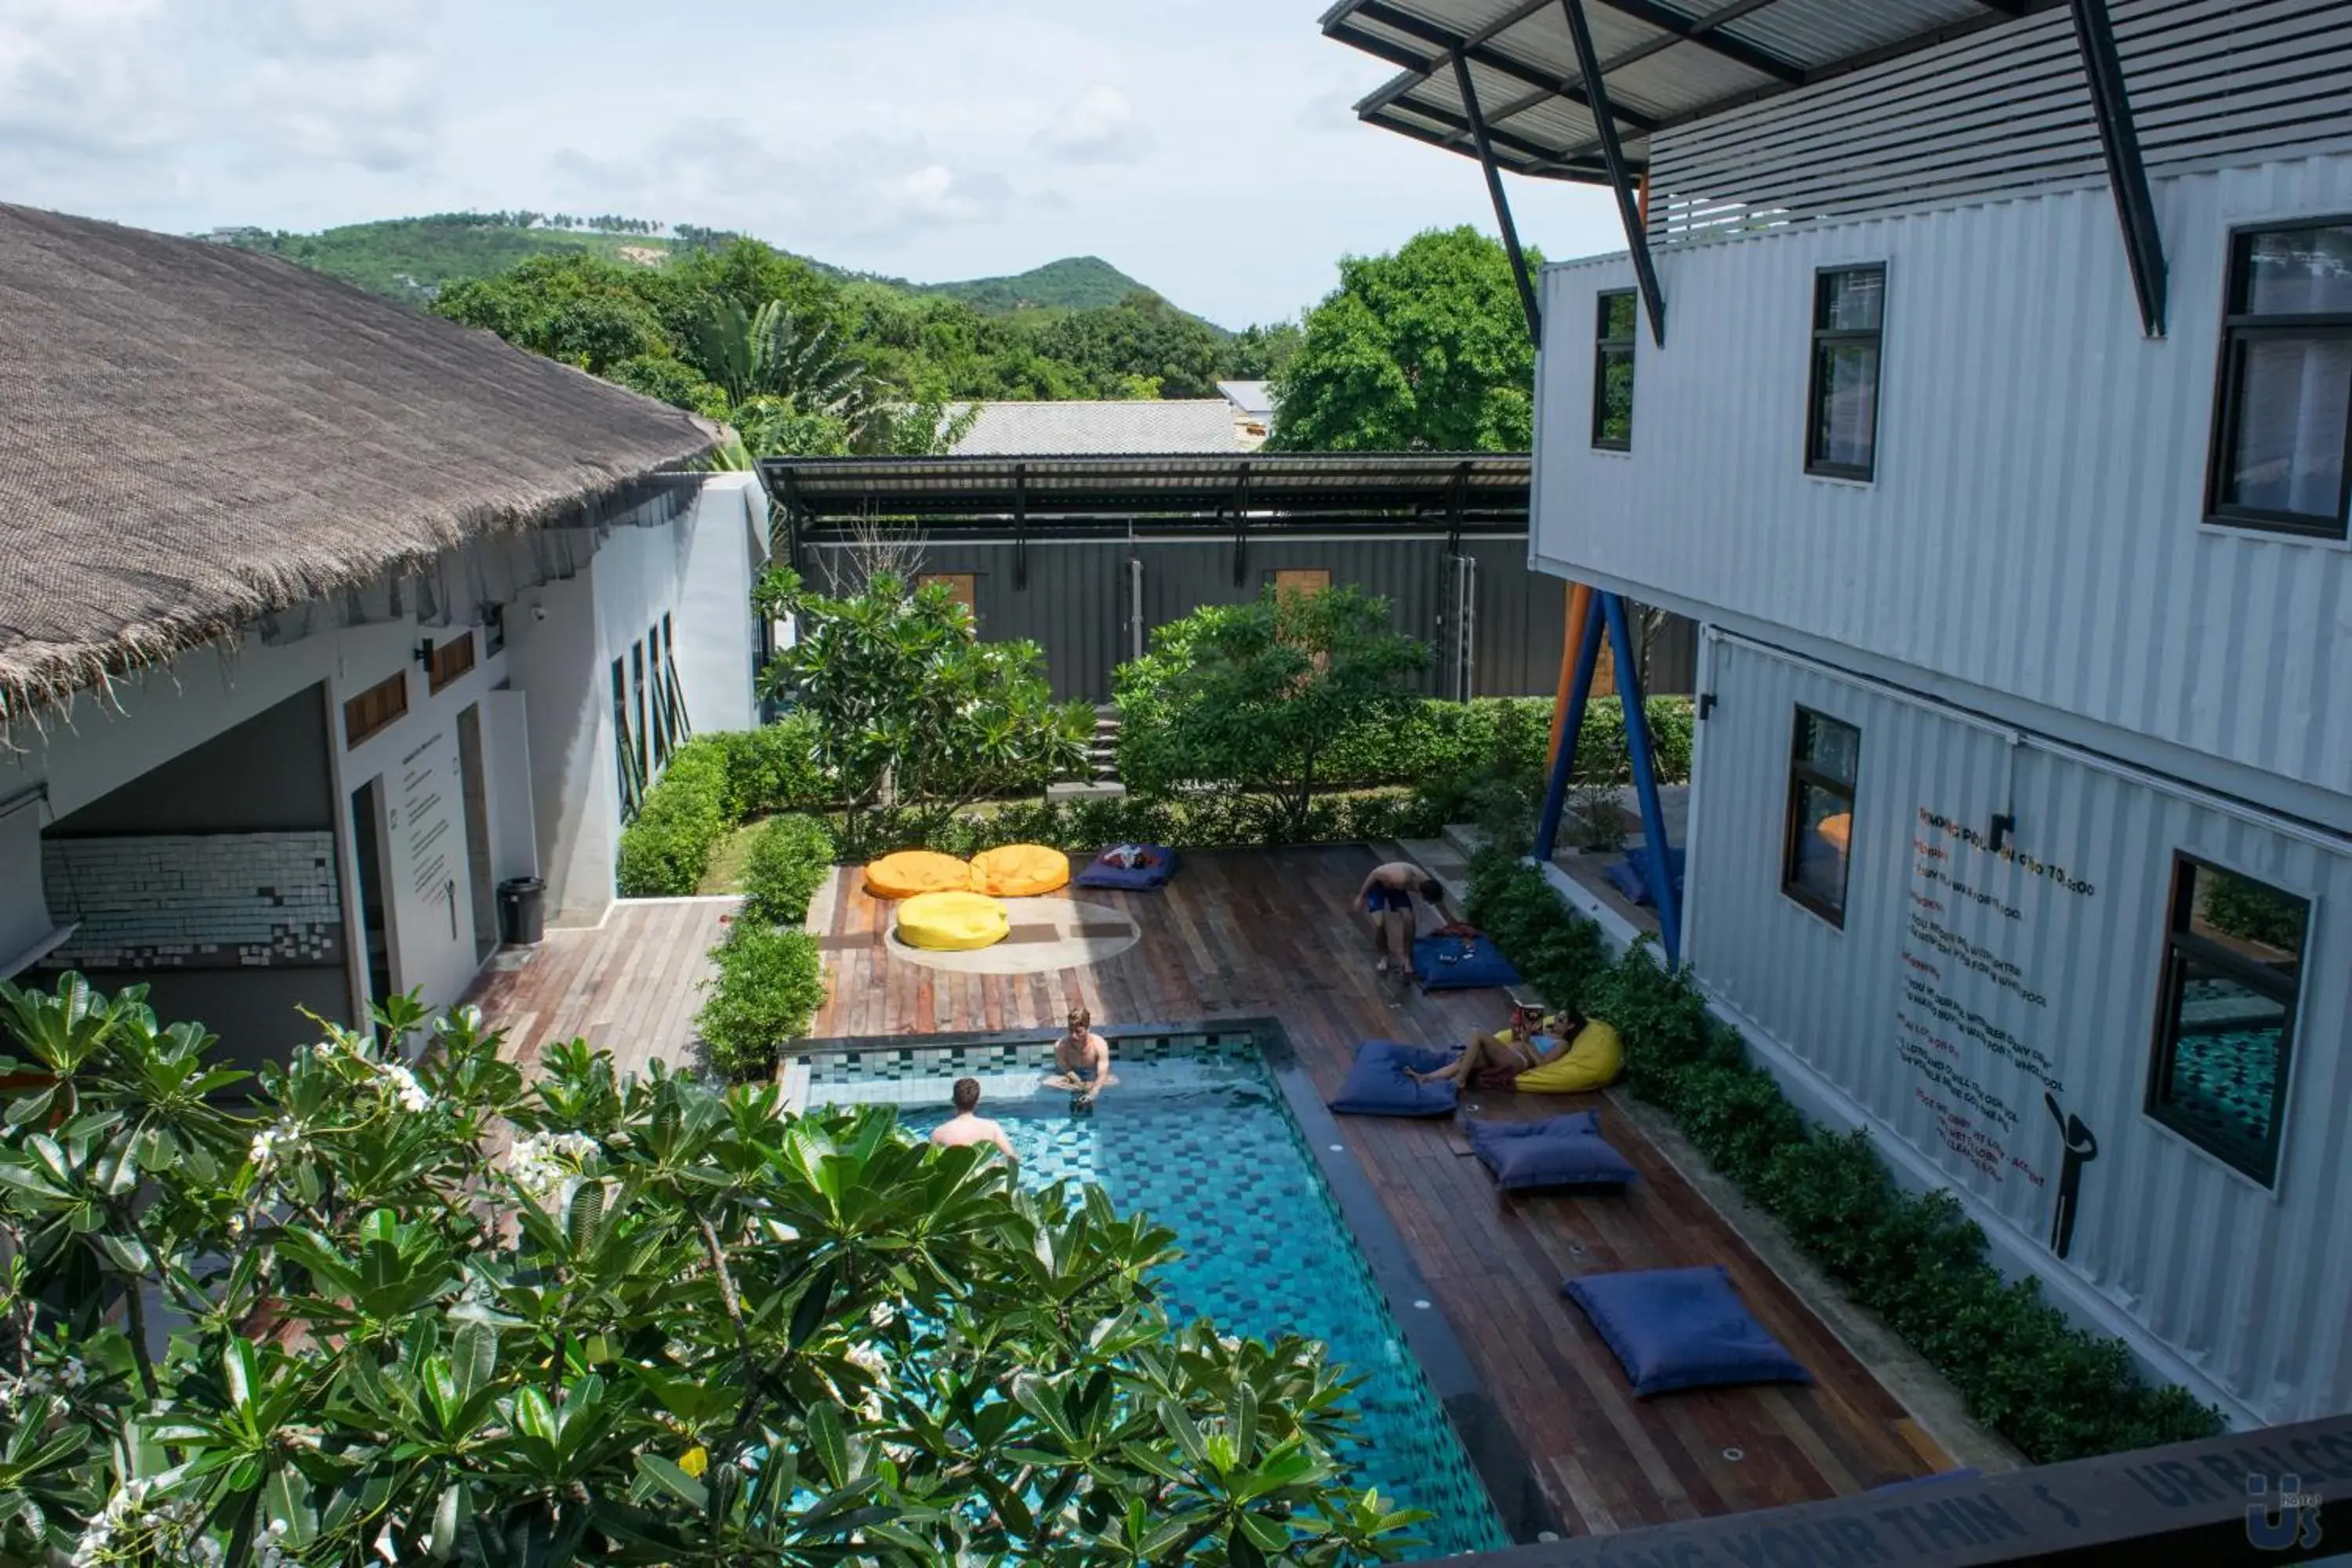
(1388,890)
(968,1126)
(1082,1059)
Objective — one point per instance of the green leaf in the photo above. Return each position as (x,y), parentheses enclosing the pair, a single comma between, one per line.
(830,1443)
(665,1474)
(241,1372)
(473,1359)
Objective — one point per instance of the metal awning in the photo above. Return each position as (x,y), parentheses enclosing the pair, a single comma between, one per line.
(1209,491)
(1660,65)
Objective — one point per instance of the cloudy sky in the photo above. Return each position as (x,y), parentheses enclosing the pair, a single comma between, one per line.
(1207,149)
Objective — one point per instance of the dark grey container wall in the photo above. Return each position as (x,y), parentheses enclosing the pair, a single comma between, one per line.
(1076,601)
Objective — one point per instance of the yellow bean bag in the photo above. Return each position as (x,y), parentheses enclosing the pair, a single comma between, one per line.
(913,871)
(1019,870)
(952,922)
(1837,830)
(1592,1061)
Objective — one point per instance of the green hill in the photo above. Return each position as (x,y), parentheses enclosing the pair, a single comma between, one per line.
(412,257)
(1073,283)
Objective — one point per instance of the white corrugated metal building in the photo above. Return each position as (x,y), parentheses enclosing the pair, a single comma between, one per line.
(1993,418)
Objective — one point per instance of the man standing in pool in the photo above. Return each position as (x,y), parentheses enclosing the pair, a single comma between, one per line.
(1388,890)
(966,1126)
(1082,1059)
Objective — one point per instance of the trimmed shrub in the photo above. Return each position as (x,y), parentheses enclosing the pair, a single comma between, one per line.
(713,782)
(1508,737)
(1217,821)
(770,982)
(788,861)
(668,847)
(1915,1259)
(773,768)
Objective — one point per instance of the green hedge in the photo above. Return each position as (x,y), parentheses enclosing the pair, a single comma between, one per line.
(769,984)
(667,847)
(1913,1258)
(1508,735)
(788,861)
(713,782)
(1193,822)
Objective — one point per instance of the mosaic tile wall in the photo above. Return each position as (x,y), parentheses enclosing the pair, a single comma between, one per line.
(1197,1135)
(210,900)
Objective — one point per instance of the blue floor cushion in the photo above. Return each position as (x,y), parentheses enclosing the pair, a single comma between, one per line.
(1682,1327)
(1461,963)
(1558,1152)
(1630,875)
(1376,1085)
(1106,872)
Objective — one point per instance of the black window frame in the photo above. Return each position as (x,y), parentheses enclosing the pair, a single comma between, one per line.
(2180,943)
(1816,463)
(1801,772)
(1603,345)
(2240,327)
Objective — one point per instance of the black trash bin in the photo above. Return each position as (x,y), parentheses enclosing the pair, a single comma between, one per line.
(523,911)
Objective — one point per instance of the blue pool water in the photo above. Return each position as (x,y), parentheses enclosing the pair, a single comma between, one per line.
(1196,1135)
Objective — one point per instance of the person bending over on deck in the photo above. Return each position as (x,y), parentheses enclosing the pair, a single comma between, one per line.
(1388,890)
(1530,1041)
(1082,1059)
(967,1126)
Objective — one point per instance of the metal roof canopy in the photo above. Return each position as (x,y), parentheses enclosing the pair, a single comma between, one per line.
(1574,89)
(1660,65)
(1241,495)
(1162,490)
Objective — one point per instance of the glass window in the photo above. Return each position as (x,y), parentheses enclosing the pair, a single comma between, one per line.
(1613,371)
(1823,761)
(2284,415)
(2233,955)
(638,672)
(1842,422)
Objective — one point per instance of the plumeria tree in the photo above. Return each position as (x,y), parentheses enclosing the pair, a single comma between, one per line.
(417,1308)
(916,717)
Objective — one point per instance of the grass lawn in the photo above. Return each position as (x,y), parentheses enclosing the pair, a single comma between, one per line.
(726,871)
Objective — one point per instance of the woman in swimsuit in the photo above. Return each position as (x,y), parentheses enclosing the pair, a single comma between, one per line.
(1531,1041)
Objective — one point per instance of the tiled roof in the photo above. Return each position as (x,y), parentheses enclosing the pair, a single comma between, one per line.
(1102,428)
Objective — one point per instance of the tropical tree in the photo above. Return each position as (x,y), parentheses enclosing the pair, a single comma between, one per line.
(1424,349)
(1254,696)
(660,1324)
(916,717)
(772,352)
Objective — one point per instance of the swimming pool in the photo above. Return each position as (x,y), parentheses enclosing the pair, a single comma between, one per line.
(1197,1135)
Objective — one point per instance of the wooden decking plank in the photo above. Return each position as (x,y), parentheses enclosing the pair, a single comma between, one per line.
(1248,933)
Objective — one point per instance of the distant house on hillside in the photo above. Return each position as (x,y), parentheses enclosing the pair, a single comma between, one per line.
(1252,405)
(1133,427)
(320,618)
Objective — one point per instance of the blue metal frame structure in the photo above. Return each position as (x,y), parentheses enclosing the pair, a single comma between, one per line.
(1609,616)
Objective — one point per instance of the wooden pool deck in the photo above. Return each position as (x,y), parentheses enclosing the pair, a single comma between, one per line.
(1254,933)
(630,984)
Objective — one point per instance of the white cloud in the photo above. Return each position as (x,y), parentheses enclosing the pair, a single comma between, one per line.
(864,190)
(115,96)
(1098,126)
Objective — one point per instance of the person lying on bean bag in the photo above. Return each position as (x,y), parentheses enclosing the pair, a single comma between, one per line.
(1564,1053)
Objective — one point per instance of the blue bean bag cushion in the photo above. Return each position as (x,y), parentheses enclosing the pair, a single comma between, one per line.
(1461,963)
(1558,1152)
(1106,873)
(1630,875)
(1682,1327)
(1377,1085)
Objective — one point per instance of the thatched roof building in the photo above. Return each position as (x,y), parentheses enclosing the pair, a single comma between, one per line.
(192,435)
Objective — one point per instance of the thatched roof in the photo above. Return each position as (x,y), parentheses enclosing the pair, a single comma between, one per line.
(192,436)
